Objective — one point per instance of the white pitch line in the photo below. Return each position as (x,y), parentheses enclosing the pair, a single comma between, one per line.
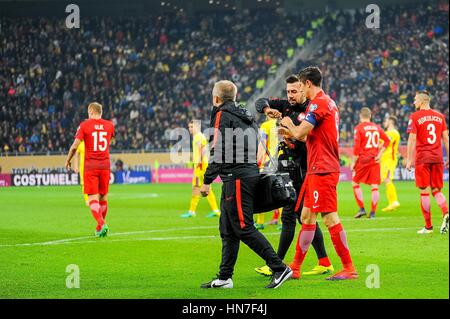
(82,240)
(63,241)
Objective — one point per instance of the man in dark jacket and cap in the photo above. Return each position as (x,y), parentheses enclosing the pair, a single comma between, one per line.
(233,157)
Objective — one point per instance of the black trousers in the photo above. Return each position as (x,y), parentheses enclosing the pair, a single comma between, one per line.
(236,224)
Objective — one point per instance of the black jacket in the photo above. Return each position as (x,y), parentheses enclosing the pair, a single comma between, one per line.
(232,155)
(295,112)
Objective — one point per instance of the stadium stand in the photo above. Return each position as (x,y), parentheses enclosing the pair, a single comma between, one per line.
(155,73)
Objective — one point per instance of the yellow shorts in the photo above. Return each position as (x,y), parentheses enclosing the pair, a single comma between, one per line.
(388,170)
(197,179)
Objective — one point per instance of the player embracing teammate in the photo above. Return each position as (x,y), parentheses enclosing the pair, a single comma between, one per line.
(96,134)
(427,129)
(320,128)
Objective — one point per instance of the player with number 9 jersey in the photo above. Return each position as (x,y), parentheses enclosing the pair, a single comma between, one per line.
(96,134)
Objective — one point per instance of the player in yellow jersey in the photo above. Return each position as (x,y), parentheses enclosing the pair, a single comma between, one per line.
(200,161)
(269,136)
(79,168)
(389,161)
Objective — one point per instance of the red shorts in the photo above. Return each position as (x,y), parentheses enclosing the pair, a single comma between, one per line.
(430,175)
(321,193)
(96,181)
(367,173)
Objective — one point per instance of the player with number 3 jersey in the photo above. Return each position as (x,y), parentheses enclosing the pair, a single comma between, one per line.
(427,130)
(96,134)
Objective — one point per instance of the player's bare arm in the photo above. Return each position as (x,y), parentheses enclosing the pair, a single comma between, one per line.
(410,150)
(445,140)
(72,152)
(298,132)
(76,162)
(354,160)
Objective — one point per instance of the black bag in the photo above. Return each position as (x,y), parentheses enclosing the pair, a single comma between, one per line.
(275,189)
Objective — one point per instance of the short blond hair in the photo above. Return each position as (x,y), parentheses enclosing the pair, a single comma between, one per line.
(366,113)
(225,90)
(96,108)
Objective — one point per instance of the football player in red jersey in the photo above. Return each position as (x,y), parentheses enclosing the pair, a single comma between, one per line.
(367,152)
(320,128)
(427,129)
(96,134)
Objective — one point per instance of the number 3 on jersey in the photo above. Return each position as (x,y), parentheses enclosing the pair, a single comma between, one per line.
(432,131)
(100,141)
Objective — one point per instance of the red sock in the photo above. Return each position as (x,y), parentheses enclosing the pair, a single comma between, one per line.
(358,196)
(305,239)
(375,198)
(276,214)
(339,239)
(325,262)
(440,199)
(104,208)
(95,209)
(426,209)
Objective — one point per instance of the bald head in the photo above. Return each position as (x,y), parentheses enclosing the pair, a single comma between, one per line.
(224,91)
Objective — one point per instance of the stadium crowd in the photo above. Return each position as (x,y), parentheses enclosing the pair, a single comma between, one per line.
(150,73)
(154,73)
(383,68)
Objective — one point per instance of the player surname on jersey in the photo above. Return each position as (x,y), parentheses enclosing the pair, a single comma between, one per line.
(429,118)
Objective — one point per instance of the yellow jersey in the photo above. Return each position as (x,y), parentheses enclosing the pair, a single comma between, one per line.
(391,152)
(270,135)
(199,152)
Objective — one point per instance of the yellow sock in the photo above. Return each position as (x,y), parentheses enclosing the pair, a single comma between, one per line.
(194,203)
(212,201)
(391,193)
(86,198)
(260,219)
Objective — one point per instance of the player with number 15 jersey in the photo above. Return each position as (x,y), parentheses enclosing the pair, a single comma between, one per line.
(96,134)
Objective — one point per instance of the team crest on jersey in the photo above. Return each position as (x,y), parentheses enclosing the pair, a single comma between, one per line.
(313,107)
(301,117)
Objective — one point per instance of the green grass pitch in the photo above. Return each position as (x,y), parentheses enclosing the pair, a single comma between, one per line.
(153,253)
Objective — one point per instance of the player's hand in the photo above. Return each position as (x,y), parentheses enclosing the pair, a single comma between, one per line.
(205,190)
(409,165)
(352,167)
(272,113)
(287,122)
(378,158)
(68,166)
(284,132)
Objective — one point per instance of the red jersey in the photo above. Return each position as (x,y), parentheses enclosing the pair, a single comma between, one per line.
(367,140)
(323,141)
(428,125)
(96,135)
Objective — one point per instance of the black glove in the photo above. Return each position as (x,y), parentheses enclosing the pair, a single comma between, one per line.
(261,104)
